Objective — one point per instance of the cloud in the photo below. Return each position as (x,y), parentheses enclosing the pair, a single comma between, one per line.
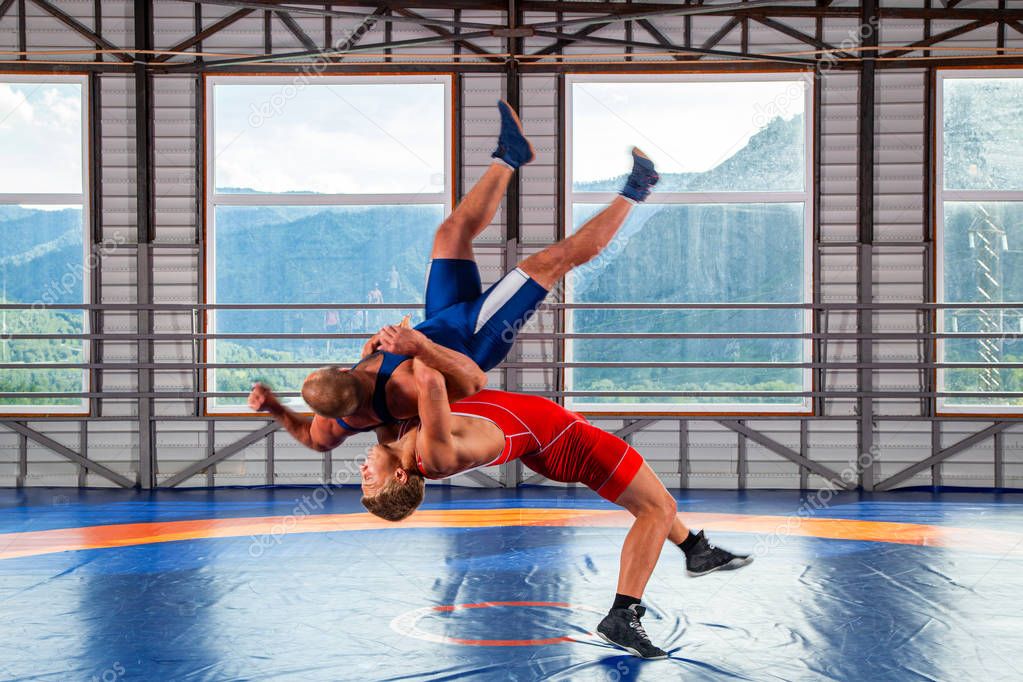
(15,109)
(684,127)
(41,138)
(359,139)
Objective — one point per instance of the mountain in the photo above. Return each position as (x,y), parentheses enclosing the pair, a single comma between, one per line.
(756,167)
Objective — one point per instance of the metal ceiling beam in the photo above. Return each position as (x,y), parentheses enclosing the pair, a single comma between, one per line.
(714,39)
(341,14)
(786,452)
(315,54)
(564,42)
(82,29)
(362,29)
(676,11)
(296,30)
(793,33)
(203,35)
(4,6)
(695,50)
(220,455)
(942,455)
(65,451)
(619,8)
(472,47)
(656,34)
(938,37)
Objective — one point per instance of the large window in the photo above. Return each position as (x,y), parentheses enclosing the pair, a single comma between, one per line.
(43,250)
(979,233)
(320,191)
(729,223)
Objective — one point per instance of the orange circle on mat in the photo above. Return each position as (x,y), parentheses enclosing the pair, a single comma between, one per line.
(407,623)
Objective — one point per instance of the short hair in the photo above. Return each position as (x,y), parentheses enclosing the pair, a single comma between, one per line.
(397,500)
(332,393)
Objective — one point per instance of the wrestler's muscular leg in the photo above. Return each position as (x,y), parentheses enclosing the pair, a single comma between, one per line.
(655,512)
(472,215)
(551,264)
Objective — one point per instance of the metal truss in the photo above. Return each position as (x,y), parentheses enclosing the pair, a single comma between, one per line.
(573,24)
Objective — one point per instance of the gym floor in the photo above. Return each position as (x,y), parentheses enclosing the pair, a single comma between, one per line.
(299,583)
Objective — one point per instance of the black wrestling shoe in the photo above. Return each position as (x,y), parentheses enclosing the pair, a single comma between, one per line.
(622,628)
(704,558)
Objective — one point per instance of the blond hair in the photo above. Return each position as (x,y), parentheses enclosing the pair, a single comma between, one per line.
(332,392)
(397,500)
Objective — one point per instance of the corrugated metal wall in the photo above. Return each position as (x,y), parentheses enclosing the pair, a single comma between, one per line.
(712,450)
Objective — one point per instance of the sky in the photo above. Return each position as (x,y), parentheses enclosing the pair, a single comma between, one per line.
(41,138)
(683,127)
(350,138)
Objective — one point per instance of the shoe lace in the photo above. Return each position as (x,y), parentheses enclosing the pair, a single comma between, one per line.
(638,627)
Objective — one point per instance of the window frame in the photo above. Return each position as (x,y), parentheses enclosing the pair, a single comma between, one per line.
(211,199)
(941,195)
(84,198)
(805,405)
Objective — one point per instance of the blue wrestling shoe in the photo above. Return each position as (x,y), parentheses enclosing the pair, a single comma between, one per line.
(643,177)
(512,146)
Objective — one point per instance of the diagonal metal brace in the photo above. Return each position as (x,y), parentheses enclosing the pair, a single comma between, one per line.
(203,35)
(296,30)
(4,6)
(65,451)
(221,454)
(82,29)
(482,479)
(534,479)
(942,455)
(789,454)
(635,426)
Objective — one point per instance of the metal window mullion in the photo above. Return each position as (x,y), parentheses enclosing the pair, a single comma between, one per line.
(802,197)
(979,195)
(511,473)
(44,199)
(22,460)
(305,200)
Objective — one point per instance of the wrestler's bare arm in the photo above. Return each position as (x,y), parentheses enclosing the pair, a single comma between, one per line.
(434,441)
(319,433)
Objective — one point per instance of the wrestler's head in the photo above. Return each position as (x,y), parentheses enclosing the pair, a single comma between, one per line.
(332,392)
(390,489)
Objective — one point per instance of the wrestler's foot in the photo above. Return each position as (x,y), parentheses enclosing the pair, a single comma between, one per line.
(622,628)
(703,558)
(642,179)
(512,146)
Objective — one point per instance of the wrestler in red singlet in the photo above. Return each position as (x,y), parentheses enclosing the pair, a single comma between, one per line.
(552,441)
